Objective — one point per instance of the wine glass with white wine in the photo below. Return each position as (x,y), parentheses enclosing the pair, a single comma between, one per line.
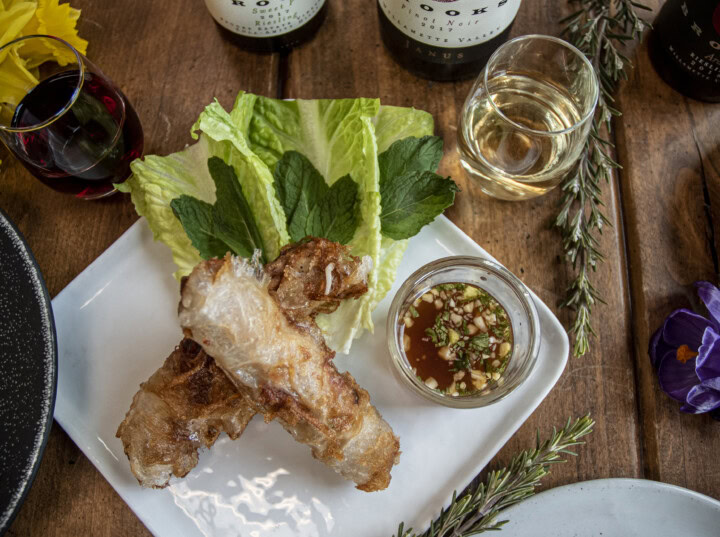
(527,117)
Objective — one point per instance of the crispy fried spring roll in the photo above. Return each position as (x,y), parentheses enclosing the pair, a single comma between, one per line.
(285,368)
(182,407)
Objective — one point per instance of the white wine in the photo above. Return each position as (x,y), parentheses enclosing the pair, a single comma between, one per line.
(517,136)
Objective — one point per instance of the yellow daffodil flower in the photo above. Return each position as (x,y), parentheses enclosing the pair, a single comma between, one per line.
(57,20)
(18,65)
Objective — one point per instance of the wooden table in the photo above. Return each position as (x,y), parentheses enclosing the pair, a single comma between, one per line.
(664,208)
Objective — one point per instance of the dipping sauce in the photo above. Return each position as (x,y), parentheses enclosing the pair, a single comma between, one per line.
(458,339)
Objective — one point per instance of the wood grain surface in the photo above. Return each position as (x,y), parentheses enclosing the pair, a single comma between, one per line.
(669,147)
(171,61)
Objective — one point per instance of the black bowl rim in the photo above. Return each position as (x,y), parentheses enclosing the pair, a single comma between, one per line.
(45,303)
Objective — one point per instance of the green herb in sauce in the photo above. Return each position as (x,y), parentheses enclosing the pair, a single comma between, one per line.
(458,338)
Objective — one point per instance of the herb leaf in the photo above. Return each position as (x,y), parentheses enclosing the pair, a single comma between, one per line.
(413,200)
(226,226)
(461,363)
(411,193)
(311,206)
(234,221)
(335,216)
(410,155)
(299,187)
(480,342)
(476,509)
(197,219)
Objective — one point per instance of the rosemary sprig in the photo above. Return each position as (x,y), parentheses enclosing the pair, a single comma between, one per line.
(598,28)
(476,511)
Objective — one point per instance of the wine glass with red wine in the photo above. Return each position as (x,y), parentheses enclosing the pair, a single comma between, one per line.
(72,128)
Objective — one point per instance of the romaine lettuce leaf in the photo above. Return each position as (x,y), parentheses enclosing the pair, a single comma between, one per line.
(156,181)
(395,123)
(338,137)
(226,141)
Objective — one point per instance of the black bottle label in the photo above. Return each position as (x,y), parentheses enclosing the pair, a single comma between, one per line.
(263,18)
(689,33)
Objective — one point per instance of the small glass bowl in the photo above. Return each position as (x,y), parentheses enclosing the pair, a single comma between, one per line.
(505,288)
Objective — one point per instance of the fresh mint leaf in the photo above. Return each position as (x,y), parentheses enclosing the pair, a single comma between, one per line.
(413,200)
(197,220)
(234,220)
(299,187)
(410,155)
(335,217)
(411,194)
(227,226)
(311,206)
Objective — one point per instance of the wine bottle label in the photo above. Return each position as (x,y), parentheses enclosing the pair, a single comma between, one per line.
(450,23)
(691,33)
(263,18)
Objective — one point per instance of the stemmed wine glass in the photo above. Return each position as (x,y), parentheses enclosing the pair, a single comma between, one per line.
(71,127)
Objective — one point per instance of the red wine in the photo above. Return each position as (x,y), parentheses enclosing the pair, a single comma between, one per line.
(684,47)
(86,149)
(268,25)
(445,39)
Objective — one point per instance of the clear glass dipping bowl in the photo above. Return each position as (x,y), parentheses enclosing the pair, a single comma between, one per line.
(505,287)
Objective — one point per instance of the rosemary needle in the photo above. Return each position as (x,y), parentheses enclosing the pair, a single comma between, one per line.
(477,509)
(597,28)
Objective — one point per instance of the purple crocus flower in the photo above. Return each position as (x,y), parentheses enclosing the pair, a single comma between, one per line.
(686,353)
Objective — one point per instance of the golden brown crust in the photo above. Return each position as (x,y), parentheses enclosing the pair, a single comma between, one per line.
(190,391)
(278,355)
(183,406)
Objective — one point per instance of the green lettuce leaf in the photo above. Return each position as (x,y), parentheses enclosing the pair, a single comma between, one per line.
(227,142)
(393,124)
(338,138)
(156,181)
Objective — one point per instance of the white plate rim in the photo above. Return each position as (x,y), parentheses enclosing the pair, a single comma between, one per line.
(608,486)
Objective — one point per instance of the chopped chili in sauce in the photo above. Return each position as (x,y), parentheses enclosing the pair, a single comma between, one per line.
(458,339)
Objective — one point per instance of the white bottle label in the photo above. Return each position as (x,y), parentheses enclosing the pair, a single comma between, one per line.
(451,23)
(263,18)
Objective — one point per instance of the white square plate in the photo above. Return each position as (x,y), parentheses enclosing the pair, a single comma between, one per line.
(116,324)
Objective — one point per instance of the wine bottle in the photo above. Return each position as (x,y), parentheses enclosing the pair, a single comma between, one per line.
(268,25)
(684,47)
(445,39)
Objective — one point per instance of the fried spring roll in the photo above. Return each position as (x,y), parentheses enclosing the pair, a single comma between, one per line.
(284,367)
(183,406)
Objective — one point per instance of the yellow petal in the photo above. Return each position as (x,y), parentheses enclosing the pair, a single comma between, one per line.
(12,21)
(11,3)
(51,18)
(15,82)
